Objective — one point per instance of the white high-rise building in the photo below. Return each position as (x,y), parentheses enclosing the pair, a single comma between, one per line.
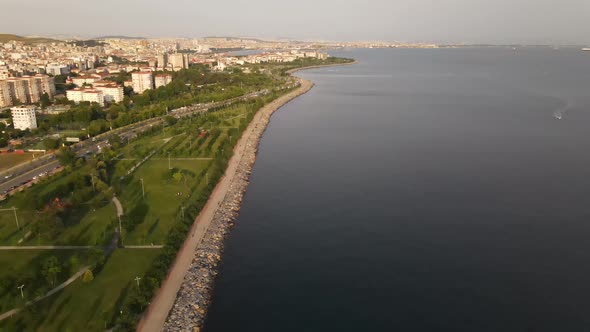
(24,117)
(91,95)
(162,60)
(56,69)
(111,91)
(142,81)
(162,80)
(178,61)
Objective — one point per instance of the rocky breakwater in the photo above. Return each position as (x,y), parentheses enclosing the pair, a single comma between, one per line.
(190,307)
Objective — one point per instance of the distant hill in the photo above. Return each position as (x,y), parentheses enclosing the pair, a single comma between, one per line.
(236,38)
(119,37)
(5,37)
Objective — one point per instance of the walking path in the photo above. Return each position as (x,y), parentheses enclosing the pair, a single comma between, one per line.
(154,246)
(73,278)
(46,247)
(118,206)
(156,314)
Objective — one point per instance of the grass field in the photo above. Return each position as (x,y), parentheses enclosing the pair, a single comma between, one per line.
(24,267)
(92,304)
(163,196)
(8,160)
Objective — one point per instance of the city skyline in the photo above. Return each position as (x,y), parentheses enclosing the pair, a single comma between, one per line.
(448,21)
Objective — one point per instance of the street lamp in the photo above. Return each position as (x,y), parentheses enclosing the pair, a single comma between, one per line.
(137,279)
(16,218)
(22,295)
(142,189)
(169,167)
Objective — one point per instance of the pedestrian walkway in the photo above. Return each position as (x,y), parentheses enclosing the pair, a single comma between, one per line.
(73,278)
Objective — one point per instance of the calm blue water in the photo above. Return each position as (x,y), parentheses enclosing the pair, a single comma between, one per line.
(420,190)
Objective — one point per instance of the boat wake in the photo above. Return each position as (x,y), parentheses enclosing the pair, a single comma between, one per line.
(560,112)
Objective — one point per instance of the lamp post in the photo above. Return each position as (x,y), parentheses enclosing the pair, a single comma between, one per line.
(169,167)
(22,295)
(137,279)
(16,218)
(142,189)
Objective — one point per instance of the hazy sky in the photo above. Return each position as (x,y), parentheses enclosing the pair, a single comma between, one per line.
(492,21)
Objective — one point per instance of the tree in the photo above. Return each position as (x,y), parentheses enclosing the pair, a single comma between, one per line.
(66,156)
(51,144)
(170,120)
(51,270)
(88,276)
(45,101)
(73,264)
(177,176)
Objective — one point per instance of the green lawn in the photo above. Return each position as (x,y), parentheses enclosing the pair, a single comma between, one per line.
(24,267)
(87,306)
(161,196)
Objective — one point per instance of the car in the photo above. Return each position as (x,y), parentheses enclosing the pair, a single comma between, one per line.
(8,176)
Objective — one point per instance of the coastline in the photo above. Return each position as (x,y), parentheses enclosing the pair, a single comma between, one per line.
(182,301)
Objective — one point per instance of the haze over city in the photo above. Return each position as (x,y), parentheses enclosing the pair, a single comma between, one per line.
(446,21)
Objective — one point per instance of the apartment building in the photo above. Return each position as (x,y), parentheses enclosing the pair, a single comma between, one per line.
(162,60)
(162,80)
(111,91)
(86,94)
(5,99)
(24,117)
(142,81)
(178,61)
(26,89)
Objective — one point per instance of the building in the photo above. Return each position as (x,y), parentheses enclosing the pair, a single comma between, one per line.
(111,91)
(78,95)
(24,117)
(56,69)
(142,81)
(5,99)
(18,91)
(162,80)
(162,60)
(178,61)
(32,89)
(85,79)
(26,89)
(47,84)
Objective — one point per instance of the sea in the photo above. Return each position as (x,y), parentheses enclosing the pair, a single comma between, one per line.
(419,190)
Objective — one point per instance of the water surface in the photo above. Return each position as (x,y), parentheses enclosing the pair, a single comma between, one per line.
(420,190)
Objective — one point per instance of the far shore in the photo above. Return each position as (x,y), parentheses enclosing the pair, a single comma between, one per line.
(182,301)
(292,71)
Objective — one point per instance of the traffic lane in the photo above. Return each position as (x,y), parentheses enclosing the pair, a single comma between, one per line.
(17,180)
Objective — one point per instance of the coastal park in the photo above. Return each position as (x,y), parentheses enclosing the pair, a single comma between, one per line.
(156,177)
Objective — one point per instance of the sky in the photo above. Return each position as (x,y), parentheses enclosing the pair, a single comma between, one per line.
(471,21)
